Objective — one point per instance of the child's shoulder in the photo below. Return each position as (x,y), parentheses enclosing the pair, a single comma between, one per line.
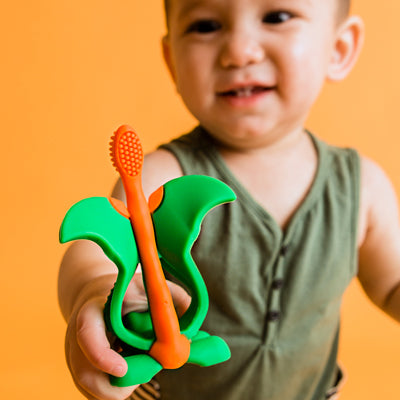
(378,201)
(159,167)
(379,239)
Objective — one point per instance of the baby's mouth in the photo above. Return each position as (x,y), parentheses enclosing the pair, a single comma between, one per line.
(244,92)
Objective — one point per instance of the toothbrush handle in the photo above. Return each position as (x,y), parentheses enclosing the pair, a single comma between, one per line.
(171,349)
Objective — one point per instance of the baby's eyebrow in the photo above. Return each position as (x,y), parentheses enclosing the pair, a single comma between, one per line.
(188,6)
(294,2)
(191,5)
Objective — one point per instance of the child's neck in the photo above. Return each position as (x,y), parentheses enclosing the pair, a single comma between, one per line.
(279,175)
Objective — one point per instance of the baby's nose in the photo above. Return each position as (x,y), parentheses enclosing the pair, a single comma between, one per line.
(241,49)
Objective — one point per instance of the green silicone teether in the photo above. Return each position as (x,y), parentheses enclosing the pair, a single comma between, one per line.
(183,204)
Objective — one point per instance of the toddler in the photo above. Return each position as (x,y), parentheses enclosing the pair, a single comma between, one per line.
(308,216)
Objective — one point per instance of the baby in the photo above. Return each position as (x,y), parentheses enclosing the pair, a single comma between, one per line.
(309,216)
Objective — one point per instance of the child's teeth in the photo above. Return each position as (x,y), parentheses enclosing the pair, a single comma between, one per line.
(244,92)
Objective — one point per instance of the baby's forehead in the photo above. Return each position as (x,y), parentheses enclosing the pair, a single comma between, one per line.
(249,2)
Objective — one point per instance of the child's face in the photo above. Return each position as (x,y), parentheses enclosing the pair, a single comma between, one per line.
(250,70)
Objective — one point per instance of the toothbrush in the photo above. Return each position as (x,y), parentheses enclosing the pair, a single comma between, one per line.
(173,215)
(171,348)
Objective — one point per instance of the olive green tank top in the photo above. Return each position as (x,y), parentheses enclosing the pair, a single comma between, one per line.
(275,295)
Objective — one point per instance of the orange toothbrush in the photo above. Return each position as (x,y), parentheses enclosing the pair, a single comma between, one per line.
(171,348)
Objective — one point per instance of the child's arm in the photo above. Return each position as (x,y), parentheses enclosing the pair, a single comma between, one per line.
(379,255)
(86,278)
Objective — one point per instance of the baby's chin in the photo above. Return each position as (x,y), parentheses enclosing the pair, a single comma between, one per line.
(242,139)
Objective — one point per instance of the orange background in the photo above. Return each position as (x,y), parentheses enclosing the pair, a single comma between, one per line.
(71,72)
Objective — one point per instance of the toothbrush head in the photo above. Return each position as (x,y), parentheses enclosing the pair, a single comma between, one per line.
(126,152)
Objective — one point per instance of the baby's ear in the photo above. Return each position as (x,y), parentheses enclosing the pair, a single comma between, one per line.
(346,49)
(166,49)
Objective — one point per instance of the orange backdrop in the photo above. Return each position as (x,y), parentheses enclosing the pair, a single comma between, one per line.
(71,72)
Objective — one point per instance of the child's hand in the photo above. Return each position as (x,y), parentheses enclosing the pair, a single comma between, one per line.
(89,354)
(87,347)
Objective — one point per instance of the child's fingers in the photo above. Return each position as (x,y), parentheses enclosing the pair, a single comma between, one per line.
(135,298)
(92,339)
(91,382)
(180,298)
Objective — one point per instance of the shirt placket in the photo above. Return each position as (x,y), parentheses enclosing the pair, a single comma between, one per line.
(274,310)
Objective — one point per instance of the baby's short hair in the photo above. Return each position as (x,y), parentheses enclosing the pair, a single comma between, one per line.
(343,8)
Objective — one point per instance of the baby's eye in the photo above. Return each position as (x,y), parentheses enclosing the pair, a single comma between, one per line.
(204,26)
(277,17)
